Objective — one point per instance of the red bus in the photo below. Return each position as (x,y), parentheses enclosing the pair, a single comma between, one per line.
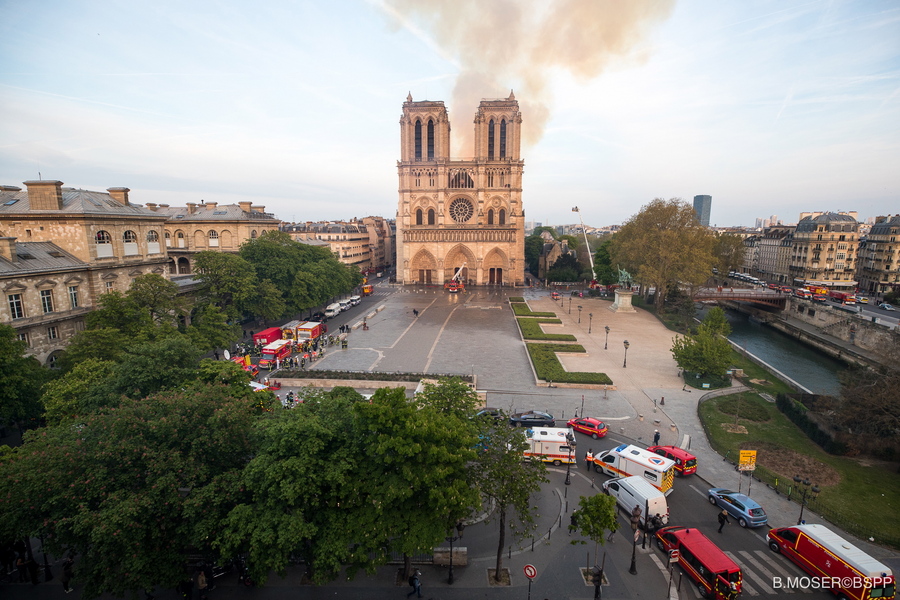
(716,575)
(834,563)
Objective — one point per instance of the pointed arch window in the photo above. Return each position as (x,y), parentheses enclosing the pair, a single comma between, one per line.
(490,216)
(430,139)
(503,138)
(418,140)
(491,140)
(431,216)
(502,217)
(418,216)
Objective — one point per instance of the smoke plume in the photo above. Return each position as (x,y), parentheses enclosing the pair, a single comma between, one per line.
(520,44)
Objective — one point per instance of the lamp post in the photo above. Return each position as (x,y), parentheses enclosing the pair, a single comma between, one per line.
(635,522)
(570,305)
(451,538)
(47,574)
(606,343)
(579,314)
(570,438)
(625,362)
(804,498)
(590,322)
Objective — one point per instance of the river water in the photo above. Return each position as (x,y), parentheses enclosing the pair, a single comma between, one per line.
(810,368)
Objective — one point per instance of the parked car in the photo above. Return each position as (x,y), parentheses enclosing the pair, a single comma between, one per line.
(886,306)
(532,418)
(318,317)
(685,462)
(740,506)
(862,299)
(820,298)
(489,411)
(590,426)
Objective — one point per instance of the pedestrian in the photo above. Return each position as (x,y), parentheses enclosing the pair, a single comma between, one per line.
(723,519)
(573,521)
(216,354)
(201,584)
(655,437)
(588,459)
(597,580)
(22,566)
(67,573)
(415,584)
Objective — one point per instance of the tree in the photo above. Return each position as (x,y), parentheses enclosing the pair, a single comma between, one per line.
(158,296)
(230,282)
(534,245)
(706,352)
(728,253)
(603,268)
(119,312)
(75,394)
(664,245)
(21,377)
(596,517)
(210,329)
(717,321)
(500,473)
(134,489)
(869,403)
(565,268)
(102,344)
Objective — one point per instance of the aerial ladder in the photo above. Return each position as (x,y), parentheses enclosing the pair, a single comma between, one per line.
(455,284)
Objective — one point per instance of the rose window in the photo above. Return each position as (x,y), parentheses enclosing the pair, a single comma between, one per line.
(461,210)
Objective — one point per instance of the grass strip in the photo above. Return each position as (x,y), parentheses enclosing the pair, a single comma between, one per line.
(548,367)
(531,330)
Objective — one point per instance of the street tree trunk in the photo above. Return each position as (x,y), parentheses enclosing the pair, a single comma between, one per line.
(502,543)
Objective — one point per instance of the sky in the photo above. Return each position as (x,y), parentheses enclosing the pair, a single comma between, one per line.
(771,107)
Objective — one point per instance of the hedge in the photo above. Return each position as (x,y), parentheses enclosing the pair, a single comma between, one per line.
(796,412)
(516,299)
(548,367)
(531,330)
(521,310)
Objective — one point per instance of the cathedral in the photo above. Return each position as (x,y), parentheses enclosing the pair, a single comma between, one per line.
(456,217)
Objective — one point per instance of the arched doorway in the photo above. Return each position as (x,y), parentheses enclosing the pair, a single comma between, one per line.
(494,265)
(423,268)
(184,266)
(461,259)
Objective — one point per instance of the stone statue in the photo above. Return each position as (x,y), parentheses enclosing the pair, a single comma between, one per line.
(624,278)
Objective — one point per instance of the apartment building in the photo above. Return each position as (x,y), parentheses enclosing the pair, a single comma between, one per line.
(824,250)
(878,260)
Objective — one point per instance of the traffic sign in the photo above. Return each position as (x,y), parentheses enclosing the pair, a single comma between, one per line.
(530,571)
(674,555)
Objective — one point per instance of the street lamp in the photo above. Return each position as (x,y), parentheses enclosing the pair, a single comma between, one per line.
(590,321)
(579,314)
(635,522)
(625,362)
(806,490)
(570,305)
(451,538)
(606,343)
(570,437)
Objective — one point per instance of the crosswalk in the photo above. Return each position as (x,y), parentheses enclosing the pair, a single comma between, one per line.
(763,571)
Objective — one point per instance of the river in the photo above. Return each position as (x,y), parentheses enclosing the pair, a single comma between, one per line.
(810,368)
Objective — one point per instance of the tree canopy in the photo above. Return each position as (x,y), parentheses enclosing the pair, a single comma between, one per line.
(706,352)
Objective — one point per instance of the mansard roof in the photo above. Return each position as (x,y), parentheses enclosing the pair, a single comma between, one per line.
(833,221)
(209,212)
(15,201)
(36,257)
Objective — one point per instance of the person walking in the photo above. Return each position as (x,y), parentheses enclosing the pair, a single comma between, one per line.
(656,437)
(573,521)
(67,574)
(723,519)
(415,584)
(201,584)
(588,459)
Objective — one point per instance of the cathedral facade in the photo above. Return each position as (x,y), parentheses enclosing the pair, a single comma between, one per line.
(460,218)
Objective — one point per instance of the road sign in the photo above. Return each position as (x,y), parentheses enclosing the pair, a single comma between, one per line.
(747,460)
(530,571)
(673,556)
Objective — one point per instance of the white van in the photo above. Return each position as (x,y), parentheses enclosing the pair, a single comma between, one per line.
(332,310)
(626,460)
(354,300)
(633,491)
(345,304)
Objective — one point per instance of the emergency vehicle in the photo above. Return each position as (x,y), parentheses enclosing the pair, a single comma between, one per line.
(309,330)
(455,284)
(841,567)
(287,330)
(845,298)
(626,460)
(716,575)
(275,352)
(267,336)
(685,462)
(551,445)
(367,290)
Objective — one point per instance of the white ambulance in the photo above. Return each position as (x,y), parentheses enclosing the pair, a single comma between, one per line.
(626,460)
(551,445)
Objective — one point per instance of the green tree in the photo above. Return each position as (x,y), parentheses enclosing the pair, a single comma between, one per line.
(500,474)
(604,272)
(210,329)
(102,344)
(229,281)
(120,312)
(534,245)
(705,352)
(150,367)
(664,245)
(75,394)
(596,517)
(21,377)
(565,268)
(728,253)
(134,489)
(158,296)
(717,321)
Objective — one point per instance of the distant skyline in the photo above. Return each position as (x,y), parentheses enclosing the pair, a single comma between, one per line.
(769,107)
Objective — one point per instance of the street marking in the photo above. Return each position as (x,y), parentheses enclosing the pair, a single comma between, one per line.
(673,594)
(772,562)
(437,339)
(748,573)
(698,491)
(759,567)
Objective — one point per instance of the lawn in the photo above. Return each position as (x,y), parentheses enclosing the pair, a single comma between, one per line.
(548,367)
(531,330)
(855,495)
(520,309)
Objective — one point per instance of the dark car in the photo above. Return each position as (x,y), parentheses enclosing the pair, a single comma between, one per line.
(740,506)
(532,418)
(318,317)
(489,411)
(589,425)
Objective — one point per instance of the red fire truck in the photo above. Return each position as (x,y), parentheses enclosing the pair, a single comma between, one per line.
(267,336)
(846,298)
(275,352)
(834,563)
(309,330)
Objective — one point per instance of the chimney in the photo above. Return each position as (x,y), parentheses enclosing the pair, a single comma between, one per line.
(8,248)
(258,208)
(211,205)
(151,206)
(245,206)
(45,195)
(192,207)
(10,188)
(119,194)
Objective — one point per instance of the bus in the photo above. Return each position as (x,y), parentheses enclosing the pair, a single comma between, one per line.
(714,573)
(839,565)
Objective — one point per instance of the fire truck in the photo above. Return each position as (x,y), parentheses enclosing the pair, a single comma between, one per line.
(455,284)
(309,330)
(267,336)
(846,298)
(367,290)
(275,352)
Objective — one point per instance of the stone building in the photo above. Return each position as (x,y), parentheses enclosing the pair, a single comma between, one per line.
(773,256)
(461,215)
(878,260)
(61,249)
(208,226)
(367,243)
(824,251)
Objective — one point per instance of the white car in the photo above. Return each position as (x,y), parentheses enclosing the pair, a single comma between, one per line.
(886,306)
(354,300)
